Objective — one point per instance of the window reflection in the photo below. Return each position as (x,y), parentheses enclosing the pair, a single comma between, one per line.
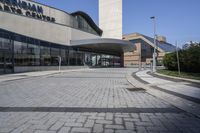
(33,55)
(45,56)
(33,52)
(6,56)
(20,51)
(83,25)
(72,57)
(64,56)
(5,44)
(55,52)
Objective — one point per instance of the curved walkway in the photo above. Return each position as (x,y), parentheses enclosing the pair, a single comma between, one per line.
(178,87)
(150,83)
(97,100)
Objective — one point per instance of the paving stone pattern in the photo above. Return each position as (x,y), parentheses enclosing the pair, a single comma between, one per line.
(98,122)
(101,88)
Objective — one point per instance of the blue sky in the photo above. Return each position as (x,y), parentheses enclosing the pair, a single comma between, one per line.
(176,19)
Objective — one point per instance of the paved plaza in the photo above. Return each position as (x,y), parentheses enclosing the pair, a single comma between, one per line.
(92,100)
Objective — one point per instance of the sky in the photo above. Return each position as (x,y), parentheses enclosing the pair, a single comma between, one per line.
(177,20)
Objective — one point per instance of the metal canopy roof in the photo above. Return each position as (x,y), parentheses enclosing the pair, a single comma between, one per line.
(115,46)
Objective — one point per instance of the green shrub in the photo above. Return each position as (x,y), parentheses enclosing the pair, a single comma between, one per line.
(189,59)
(170,62)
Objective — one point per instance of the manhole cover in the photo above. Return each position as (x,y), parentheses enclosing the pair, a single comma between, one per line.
(136,89)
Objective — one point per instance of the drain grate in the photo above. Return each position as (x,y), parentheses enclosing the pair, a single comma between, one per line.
(136,89)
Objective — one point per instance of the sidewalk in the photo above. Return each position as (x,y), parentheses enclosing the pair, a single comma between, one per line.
(18,76)
(180,94)
(184,88)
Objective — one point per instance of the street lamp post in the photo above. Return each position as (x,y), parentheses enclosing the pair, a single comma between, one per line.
(154,51)
(178,62)
(59,63)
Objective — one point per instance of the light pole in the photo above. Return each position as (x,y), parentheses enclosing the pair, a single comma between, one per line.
(178,62)
(59,62)
(154,51)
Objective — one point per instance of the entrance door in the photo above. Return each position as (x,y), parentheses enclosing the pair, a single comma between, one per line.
(6,65)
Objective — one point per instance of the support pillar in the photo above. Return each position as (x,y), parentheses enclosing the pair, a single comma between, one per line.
(122,60)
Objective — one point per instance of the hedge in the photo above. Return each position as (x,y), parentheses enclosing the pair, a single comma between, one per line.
(189,59)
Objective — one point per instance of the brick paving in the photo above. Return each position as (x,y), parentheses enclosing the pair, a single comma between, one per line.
(98,122)
(98,97)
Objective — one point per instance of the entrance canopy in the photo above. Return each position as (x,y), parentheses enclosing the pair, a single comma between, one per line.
(115,46)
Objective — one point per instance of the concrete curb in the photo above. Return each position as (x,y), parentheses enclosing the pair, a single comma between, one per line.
(178,102)
(184,79)
(27,75)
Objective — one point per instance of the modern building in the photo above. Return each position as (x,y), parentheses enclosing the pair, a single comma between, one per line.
(34,36)
(144,48)
(110,18)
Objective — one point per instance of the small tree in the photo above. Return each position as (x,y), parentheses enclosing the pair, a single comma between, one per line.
(170,62)
(189,59)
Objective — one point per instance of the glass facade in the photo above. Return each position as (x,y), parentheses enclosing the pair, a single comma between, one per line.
(80,23)
(17,50)
(103,60)
(83,25)
(146,49)
(45,54)
(6,53)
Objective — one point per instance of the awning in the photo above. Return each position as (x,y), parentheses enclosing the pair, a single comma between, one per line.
(106,45)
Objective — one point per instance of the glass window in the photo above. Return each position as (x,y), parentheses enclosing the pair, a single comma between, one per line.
(20,54)
(26,52)
(72,58)
(83,25)
(5,44)
(80,58)
(33,54)
(55,52)
(64,56)
(88,59)
(6,59)
(45,56)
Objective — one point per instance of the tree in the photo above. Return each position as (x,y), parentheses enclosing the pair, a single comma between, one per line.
(189,59)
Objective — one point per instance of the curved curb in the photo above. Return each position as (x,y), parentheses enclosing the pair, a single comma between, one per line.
(28,75)
(181,103)
(173,77)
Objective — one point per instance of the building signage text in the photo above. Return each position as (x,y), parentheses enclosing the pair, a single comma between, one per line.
(25,8)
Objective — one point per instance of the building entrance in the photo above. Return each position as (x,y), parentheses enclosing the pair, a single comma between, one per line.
(101,60)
